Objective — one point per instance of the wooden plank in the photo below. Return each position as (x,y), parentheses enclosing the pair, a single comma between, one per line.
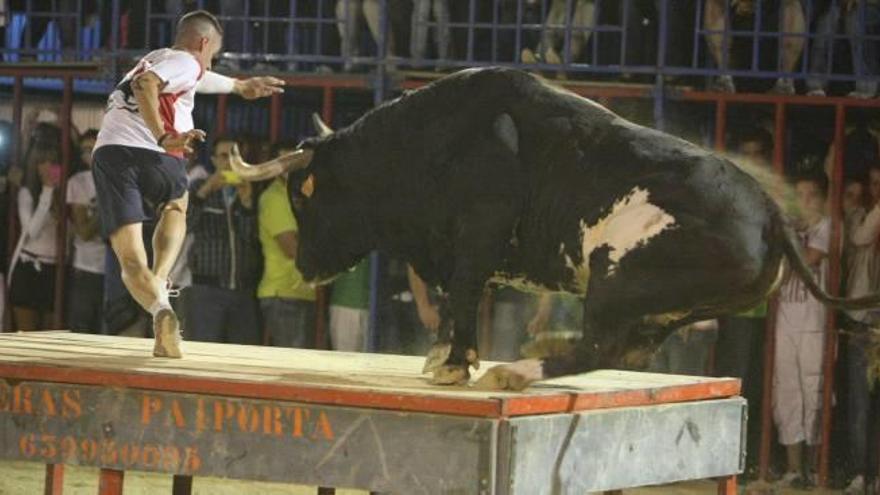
(326,377)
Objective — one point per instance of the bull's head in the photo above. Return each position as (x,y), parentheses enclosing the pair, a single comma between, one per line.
(331,220)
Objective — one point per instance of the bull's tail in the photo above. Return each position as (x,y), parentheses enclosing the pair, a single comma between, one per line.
(791,243)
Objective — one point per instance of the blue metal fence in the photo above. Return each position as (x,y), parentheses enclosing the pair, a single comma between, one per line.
(581,38)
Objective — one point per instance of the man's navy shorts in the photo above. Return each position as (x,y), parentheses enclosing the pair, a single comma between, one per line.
(132,182)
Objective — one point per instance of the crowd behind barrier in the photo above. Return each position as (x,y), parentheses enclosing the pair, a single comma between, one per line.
(237,278)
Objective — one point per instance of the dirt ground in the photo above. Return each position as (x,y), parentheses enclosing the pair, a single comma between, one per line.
(26,478)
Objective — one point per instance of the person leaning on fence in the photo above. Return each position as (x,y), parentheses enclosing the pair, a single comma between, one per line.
(138,160)
(862,276)
(800,336)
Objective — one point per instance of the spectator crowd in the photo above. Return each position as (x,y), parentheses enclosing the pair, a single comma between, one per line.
(237,278)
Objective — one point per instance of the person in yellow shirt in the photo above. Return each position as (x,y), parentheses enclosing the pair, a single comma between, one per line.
(286,300)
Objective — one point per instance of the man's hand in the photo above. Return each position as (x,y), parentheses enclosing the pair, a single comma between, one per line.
(258,87)
(211,184)
(182,142)
(539,324)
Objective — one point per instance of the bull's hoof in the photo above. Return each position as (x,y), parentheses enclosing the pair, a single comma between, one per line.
(451,374)
(437,356)
(515,376)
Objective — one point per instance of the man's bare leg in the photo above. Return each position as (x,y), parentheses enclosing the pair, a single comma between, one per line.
(793,24)
(147,289)
(715,17)
(168,237)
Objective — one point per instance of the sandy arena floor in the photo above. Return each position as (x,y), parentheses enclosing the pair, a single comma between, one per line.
(26,478)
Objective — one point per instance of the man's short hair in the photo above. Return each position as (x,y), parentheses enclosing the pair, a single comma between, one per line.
(817,177)
(197,17)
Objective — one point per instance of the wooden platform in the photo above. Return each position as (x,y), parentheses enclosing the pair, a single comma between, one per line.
(302,415)
(326,377)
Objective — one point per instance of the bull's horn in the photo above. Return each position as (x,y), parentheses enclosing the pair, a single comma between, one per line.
(321,128)
(299,159)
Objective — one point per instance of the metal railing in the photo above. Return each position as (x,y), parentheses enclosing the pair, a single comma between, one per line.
(581,38)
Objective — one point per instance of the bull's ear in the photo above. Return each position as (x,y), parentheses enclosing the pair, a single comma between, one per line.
(321,128)
(308,186)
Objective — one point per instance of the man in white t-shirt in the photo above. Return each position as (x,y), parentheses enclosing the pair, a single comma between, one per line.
(86,287)
(139,165)
(800,335)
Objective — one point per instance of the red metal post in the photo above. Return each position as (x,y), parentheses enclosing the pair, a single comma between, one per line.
(327,105)
(274,117)
(220,128)
(833,286)
(720,125)
(60,193)
(12,217)
(181,485)
(54,484)
(770,327)
(727,485)
(110,482)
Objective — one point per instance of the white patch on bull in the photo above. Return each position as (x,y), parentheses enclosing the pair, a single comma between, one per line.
(632,222)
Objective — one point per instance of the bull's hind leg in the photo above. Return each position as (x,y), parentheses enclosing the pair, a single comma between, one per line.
(673,284)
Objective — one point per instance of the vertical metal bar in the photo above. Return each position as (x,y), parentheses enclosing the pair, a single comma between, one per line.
(756,29)
(625,23)
(379,92)
(28,25)
(764,453)
(147,15)
(597,11)
(110,482)
(720,125)
(659,103)
(566,35)
(663,29)
(61,237)
(833,286)
(472,16)
(291,34)
(518,30)
(114,36)
(274,117)
(266,26)
(494,30)
(181,485)
(12,216)
(222,104)
(698,21)
(77,31)
(54,480)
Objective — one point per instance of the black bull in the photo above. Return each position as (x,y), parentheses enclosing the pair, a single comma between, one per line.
(492,175)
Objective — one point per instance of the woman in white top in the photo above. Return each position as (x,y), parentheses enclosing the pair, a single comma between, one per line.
(32,286)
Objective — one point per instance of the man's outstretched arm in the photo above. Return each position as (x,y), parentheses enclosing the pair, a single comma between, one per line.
(251,88)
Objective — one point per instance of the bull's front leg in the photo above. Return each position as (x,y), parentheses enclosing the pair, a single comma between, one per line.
(451,358)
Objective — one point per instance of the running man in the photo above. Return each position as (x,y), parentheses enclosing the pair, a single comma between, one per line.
(139,166)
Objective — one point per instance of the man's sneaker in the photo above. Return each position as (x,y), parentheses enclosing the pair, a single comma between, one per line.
(856,486)
(723,84)
(783,86)
(166,329)
(527,56)
(861,94)
(816,92)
